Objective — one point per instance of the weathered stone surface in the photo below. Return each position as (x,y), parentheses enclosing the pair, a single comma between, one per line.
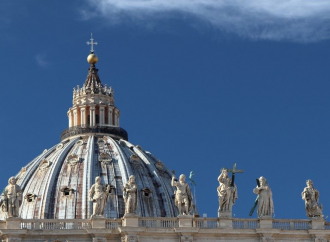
(183,195)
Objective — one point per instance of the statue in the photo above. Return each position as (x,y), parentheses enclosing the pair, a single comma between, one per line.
(11,198)
(98,194)
(130,195)
(183,196)
(227,194)
(311,197)
(265,198)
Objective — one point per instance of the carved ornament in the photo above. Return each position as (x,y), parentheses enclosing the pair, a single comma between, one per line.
(135,159)
(105,159)
(44,165)
(73,159)
(79,142)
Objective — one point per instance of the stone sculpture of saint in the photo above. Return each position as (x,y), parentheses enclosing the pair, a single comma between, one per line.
(11,198)
(265,200)
(98,194)
(130,195)
(311,197)
(183,196)
(227,194)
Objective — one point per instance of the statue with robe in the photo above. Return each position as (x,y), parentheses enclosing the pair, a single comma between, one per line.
(183,195)
(98,194)
(227,194)
(130,195)
(311,197)
(11,198)
(265,198)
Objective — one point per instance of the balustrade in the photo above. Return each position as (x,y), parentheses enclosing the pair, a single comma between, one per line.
(160,222)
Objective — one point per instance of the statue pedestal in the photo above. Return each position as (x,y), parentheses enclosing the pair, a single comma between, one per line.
(225,223)
(224,215)
(318,223)
(98,222)
(185,220)
(13,223)
(266,223)
(130,220)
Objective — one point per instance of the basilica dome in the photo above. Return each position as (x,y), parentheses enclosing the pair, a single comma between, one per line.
(56,183)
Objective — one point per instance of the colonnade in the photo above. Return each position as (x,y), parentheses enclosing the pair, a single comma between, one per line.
(94,115)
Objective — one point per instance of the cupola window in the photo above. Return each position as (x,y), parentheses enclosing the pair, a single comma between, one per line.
(30,197)
(66,191)
(146,192)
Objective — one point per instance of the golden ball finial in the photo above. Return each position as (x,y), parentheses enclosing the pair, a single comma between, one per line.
(92,58)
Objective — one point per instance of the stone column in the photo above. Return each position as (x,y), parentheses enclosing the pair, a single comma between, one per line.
(101,114)
(92,115)
(110,115)
(70,118)
(118,113)
(75,117)
(82,116)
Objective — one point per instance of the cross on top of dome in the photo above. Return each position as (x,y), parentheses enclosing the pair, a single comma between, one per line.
(92,43)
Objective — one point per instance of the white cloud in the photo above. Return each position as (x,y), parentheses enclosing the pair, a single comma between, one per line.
(41,60)
(294,20)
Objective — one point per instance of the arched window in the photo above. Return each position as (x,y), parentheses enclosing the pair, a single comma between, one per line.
(97,119)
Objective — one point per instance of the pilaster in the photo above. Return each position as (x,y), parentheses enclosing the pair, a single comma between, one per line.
(102,118)
(92,115)
(75,117)
(82,116)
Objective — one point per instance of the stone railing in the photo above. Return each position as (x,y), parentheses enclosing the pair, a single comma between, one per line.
(245,223)
(292,224)
(113,224)
(158,222)
(55,224)
(161,222)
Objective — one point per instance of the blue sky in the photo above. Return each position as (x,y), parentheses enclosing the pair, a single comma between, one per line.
(200,84)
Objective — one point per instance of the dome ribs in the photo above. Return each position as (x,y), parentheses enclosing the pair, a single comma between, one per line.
(66,206)
(51,186)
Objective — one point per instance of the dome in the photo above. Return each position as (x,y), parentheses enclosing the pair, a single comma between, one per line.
(56,183)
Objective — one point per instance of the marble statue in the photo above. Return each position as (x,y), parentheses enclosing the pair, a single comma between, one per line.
(183,196)
(227,194)
(311,197)
(11,198)
(265,199)
(130,195)
(98,194)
